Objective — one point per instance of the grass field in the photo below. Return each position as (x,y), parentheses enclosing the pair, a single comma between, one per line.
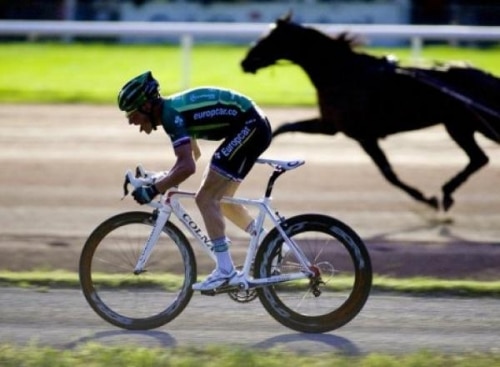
(93,73)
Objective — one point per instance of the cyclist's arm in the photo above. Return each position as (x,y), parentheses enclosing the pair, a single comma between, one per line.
(184,167)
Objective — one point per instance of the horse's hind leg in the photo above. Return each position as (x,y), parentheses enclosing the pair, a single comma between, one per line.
(477,159)
(377,155)
(311,126)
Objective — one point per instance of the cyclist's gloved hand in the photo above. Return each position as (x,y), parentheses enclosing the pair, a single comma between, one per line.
(145,194)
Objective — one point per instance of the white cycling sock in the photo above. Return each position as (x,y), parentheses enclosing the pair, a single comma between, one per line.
(224,262)
(222,254)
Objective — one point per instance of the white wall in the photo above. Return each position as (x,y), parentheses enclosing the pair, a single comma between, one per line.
(372,12)
(351,12)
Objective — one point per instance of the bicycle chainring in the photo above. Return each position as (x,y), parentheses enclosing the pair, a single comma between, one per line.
(243,296)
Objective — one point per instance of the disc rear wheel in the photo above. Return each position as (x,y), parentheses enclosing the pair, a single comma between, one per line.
(341,280)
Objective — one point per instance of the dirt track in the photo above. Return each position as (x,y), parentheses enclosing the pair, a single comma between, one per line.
(62,169)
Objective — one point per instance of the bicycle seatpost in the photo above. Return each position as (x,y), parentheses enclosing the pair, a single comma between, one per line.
(277,172)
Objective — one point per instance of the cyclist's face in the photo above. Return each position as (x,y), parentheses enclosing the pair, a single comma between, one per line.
(141,119)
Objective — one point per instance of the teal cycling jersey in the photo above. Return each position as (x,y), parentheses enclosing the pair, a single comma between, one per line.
(204,113)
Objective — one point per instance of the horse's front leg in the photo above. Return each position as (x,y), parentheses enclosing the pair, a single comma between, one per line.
(372,148)
(477,159)
(311,126)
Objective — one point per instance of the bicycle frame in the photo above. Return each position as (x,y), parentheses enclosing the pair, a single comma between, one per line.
(169,204)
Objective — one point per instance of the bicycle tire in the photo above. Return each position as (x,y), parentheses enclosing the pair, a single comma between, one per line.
(344,265)
(143,301)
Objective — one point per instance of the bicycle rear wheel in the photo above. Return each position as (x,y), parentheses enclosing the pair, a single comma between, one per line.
(136,301)
(343,278)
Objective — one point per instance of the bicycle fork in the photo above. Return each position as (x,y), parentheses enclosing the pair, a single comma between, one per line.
(160,219)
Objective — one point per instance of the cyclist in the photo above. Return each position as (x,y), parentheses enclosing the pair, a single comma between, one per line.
(209,113)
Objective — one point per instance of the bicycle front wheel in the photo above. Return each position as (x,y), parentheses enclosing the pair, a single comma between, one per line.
(136,301)
(342,278)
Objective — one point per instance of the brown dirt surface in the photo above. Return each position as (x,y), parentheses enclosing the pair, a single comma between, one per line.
(62,168)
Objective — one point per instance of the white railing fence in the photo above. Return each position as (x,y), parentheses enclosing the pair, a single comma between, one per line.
(187,32)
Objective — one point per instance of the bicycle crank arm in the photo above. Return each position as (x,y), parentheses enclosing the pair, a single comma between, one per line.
(222,289)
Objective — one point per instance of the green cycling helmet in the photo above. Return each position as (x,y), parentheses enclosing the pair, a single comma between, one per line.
(137,91)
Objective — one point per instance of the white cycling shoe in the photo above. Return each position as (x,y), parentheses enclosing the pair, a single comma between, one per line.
(215,280)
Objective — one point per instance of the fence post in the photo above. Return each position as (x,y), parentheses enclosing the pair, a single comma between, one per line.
(186,48)
(416,50)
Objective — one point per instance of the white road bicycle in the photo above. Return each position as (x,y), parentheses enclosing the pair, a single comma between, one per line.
(137,268)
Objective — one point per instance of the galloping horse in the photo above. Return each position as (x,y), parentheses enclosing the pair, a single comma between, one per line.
(367,98)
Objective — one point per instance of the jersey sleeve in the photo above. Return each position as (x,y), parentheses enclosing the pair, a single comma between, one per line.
(175,126)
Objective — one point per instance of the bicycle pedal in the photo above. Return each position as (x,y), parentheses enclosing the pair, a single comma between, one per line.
(211,292)
(225,288)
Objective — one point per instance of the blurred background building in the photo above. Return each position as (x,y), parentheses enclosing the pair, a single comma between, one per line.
(463,12)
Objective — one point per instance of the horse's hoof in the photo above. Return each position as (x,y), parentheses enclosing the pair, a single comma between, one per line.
(447,202)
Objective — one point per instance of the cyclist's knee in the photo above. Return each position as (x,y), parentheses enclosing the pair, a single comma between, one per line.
(205,201)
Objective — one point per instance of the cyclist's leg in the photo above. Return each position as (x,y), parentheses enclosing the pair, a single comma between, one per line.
(208,199)
(231,162)
(238,214)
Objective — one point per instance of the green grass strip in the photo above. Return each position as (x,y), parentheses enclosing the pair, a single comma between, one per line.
(416,286)
(423,285)
(94,355)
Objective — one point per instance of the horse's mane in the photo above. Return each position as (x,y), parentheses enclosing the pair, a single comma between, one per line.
(346,40)
(351,40)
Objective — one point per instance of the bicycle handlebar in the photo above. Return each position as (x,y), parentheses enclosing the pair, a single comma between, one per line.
(141,178)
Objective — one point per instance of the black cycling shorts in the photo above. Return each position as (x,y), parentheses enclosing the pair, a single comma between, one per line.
(237,154)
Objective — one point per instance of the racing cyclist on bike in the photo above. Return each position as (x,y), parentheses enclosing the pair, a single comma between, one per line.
(208,113)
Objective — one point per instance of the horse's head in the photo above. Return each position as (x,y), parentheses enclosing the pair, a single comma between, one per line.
(279,43)
(299,44)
